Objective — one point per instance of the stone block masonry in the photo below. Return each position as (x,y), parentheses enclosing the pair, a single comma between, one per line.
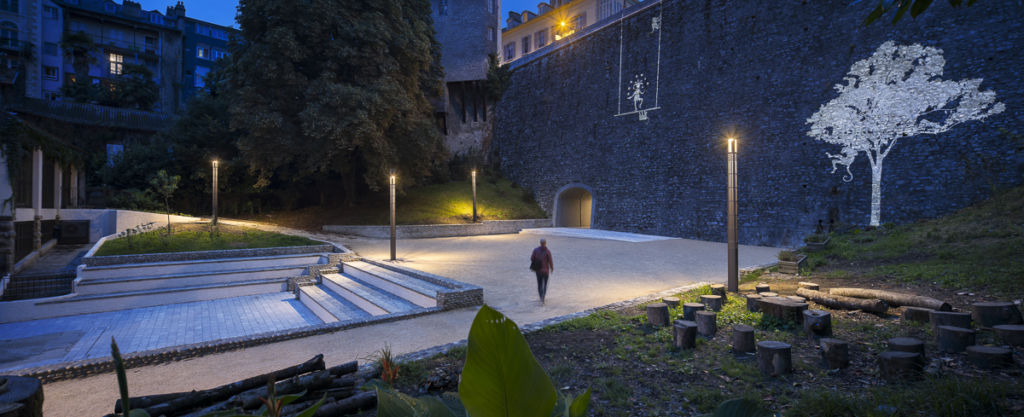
(758,73)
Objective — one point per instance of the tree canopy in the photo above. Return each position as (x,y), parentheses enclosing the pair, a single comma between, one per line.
(331,87)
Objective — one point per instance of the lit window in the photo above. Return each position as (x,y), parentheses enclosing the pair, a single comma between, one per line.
(116,64)
(50,12)
(203,52)
(510,51)
(50,73)
(9,5)
(200,77)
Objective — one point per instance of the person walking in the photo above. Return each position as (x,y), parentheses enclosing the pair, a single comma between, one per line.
(543,265)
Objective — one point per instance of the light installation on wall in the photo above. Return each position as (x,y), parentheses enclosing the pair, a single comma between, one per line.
(634,89)
(895,93)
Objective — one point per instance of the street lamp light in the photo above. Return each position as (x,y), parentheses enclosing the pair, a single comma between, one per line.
(391,182)
(216,163)
(733,282)
(474,195)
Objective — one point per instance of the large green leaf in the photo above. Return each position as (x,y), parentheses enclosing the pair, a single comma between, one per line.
(501,377)
(580,404)
(391,403)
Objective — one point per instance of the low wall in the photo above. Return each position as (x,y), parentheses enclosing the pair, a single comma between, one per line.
(489,227)
(103,222)
(91,260)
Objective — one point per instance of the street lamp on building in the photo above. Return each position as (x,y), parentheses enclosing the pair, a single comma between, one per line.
(733,282)
(474,195)
(216,164)
(391,183)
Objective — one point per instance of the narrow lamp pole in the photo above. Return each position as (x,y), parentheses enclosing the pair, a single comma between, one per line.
(474,195)
(391,182)
(215,165)
(734,282)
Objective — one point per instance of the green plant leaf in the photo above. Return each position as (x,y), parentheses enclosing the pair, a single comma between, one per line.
(288,399)
(919,7)
(741,407)
(875,14)
(580,404)
(904,6)
(312,409)
(391,403)
(501,377)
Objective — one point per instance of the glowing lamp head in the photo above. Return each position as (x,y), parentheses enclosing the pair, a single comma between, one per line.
(732,144)
(562,23)
(215,162)
(391,179)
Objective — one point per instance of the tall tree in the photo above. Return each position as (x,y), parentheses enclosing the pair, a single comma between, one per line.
(895,93)
(337,87)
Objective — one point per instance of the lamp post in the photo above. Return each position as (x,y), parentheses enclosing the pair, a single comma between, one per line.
(474,195)
(215,165)
(391,182)
(734,282)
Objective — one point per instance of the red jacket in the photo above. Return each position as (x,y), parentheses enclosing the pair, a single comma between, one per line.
(543,255)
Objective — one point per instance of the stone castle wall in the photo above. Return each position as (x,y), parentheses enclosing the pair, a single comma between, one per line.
(741,68)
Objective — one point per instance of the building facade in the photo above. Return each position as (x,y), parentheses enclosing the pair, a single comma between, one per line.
(204,44)
(527,32)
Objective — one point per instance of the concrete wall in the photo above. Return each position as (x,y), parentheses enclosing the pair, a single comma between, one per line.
(739,68)
(104,222)
(489,227)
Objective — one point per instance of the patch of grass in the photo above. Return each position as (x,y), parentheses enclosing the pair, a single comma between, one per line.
(745,371)
(190,237)
(705,399)
(751,276)
(601,320)
(613,391)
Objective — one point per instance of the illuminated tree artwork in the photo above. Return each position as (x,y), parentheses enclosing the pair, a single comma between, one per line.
(895,93)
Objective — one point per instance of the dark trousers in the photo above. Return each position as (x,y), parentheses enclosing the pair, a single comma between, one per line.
(542,284)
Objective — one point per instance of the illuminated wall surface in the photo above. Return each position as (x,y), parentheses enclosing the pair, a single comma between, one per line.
(758,73)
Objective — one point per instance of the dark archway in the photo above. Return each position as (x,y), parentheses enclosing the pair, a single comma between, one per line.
(574,206)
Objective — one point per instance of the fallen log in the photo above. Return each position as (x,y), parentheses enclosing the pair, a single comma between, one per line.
(308,383)
(894,299)
(344,369)
(148,400)
(363,401)
(204,398)
(845,303)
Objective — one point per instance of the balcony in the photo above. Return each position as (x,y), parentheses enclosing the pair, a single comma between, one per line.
(129,47)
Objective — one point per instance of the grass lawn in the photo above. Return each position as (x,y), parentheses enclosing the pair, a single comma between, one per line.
(188,237)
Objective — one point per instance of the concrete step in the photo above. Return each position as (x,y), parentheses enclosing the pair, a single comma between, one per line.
(370,299)
(409,288)
(170,281)
(97,303)
(328,305)
(204,265)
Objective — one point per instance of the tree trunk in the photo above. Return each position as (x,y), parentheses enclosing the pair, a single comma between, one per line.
(167,206)
(657,314)
(774,358)
(742,338)
(706,323)
(835,353)
(362,401)
(809,285)
(876,190)
(684,334)
(846,303)
(894,299)
(148,400)
(312,382)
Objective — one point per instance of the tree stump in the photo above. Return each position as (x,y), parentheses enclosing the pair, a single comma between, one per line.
(767,294)
(752,302)
(782,309)
(989,357)
(817,323)
(906,344)
(23,396)
(918,314)
(835,353)
(894,365)
(657,314)
(796,298)
(712,302)
(689,309)
(1011,334)
(774,358)
(809,285)
(706,324)
(672,302)
(719,290)
(762,288)
(684,334)
(994,313)
(954,339)
(742,338)
(948,318)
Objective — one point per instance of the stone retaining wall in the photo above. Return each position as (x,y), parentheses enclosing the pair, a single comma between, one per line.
(202,255)
(488,227)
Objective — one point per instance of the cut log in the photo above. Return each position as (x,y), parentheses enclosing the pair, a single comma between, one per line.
(22,397)
(204,398)
(783,309)
(362,401)
(672,302)
(948,318)
(762,288)
(719,290)
(657,314)
(894,299)
(706,323)
(809,285)
(774,358)
(767,294)
(796,298)
(918,314)
(994,313)
(689,309)
(835,353)
(743,338)
(894,366)
(818,323)
(344,369)
(329,395)
(712,302)
(1011,334)
(752,302)
(845,303)
(990,357)
(312,382)
(907,344)
(684,334)
(148,400)
(954,339)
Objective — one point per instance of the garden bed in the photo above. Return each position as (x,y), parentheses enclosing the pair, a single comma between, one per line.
(195,237)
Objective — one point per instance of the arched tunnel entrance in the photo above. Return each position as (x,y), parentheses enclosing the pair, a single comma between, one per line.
(574,206)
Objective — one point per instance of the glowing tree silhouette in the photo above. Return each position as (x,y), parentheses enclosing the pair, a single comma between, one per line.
(895,93)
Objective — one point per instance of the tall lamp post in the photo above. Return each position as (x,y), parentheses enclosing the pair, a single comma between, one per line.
(474,195)
(734,282)
(215,165)
(391,182)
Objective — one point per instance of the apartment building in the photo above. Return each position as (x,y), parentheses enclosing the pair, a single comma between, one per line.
(527,32)
(204,44)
